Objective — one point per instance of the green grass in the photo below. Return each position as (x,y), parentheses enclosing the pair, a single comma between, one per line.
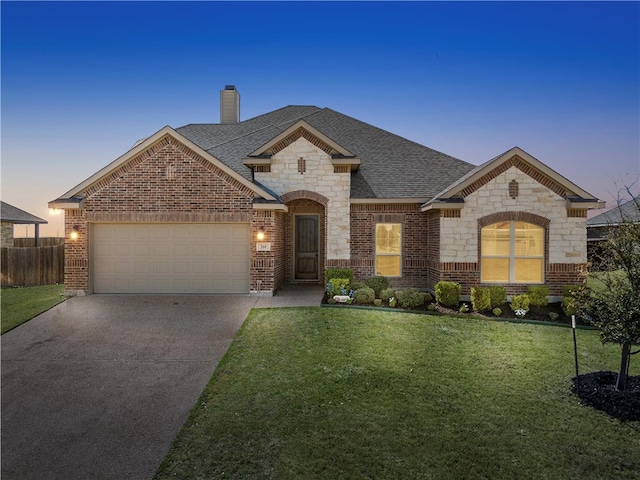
(595,279)
(22,304)
(321,393)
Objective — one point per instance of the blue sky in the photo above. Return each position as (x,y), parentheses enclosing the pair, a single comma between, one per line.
(83,81)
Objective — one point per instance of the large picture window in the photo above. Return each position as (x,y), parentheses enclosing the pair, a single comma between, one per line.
(512,252)
(388,249)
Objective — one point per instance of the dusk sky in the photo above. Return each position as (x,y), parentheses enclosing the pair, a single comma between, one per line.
(82,82)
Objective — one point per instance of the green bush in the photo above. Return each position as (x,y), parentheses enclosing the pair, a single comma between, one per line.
(377,302)
(497,311)
(432,308)
(428,298)
(520,302)
(553,316)
(392,302)
(448,293)
(357,285)
(364,295)
(410,298)
(498,295)
(569,301)
(337,286)
(386,294)
(538,295)
(464,308)
(378,284)
(339,273)
(480,299)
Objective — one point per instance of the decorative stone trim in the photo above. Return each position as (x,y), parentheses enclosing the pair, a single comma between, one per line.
(576,213)
(450,213)
(523,166)
(513,216)
(170,217)
(301,133)
(304,195)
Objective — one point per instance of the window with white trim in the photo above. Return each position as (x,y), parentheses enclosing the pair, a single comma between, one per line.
(388,249)
(512,252)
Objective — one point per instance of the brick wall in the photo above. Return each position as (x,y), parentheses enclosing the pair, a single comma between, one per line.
(416,241)
(165,183)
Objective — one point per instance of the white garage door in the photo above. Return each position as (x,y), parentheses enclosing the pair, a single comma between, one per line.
(170,258)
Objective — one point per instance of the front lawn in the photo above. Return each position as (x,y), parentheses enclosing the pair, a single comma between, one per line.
(20,304)
(324,393)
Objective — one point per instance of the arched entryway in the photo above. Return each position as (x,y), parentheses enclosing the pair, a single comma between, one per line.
(305,241)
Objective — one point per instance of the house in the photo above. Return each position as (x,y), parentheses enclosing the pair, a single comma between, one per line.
(598,226)
(10,216)
(246,206)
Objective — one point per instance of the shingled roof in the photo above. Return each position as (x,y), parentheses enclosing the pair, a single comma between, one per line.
(11,214)
(391,167)
(627,212)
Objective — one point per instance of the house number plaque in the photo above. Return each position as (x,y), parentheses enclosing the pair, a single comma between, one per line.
(263,246)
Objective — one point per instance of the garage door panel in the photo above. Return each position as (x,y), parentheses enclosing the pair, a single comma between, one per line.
(170,258)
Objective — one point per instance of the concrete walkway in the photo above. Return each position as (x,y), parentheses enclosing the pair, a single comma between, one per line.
(99,386)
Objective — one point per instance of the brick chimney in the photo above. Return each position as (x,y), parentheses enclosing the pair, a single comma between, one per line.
(229,105)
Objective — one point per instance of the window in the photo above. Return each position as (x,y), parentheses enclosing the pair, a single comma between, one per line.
(388,249)
(512,252)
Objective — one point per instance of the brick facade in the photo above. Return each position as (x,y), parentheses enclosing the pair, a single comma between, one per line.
(165,183)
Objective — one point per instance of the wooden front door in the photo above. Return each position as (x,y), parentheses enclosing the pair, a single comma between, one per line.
(306,247)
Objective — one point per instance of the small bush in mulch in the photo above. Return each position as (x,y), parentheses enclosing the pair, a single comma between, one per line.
(598,390)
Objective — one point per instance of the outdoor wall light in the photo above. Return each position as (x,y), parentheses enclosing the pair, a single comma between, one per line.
(260,235)
(74,233)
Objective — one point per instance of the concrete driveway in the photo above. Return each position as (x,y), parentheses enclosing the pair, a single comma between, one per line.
(99,386)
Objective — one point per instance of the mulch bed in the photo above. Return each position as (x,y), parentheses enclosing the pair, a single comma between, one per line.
(598,390)
(535,313)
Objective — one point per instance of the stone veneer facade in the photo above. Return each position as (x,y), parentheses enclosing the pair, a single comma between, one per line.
(7,234)
(302,166)
(565,230)
(168,182)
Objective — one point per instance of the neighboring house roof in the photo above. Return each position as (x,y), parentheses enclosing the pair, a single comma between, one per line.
(627,212)
(453,194)
(11,214)
(391,166)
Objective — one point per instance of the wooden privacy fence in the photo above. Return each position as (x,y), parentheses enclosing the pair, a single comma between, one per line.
(31,266)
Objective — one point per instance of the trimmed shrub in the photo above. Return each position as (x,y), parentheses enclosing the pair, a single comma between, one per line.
(448,293)
(498,295)
(497,311)
(538,295)
(386,294)
(338,286)
(339,273)
(464,308)
(378,284)
(428,298)
(377,302)
(364,295)
(520,302)
(392,302)
(553,316)
(357,285)
(410,298)
(480,299)
(569,301)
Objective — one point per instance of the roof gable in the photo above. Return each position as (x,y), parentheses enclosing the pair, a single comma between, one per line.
(74,197)
(515,157)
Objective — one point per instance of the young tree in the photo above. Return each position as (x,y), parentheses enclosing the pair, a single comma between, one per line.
(615,309)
